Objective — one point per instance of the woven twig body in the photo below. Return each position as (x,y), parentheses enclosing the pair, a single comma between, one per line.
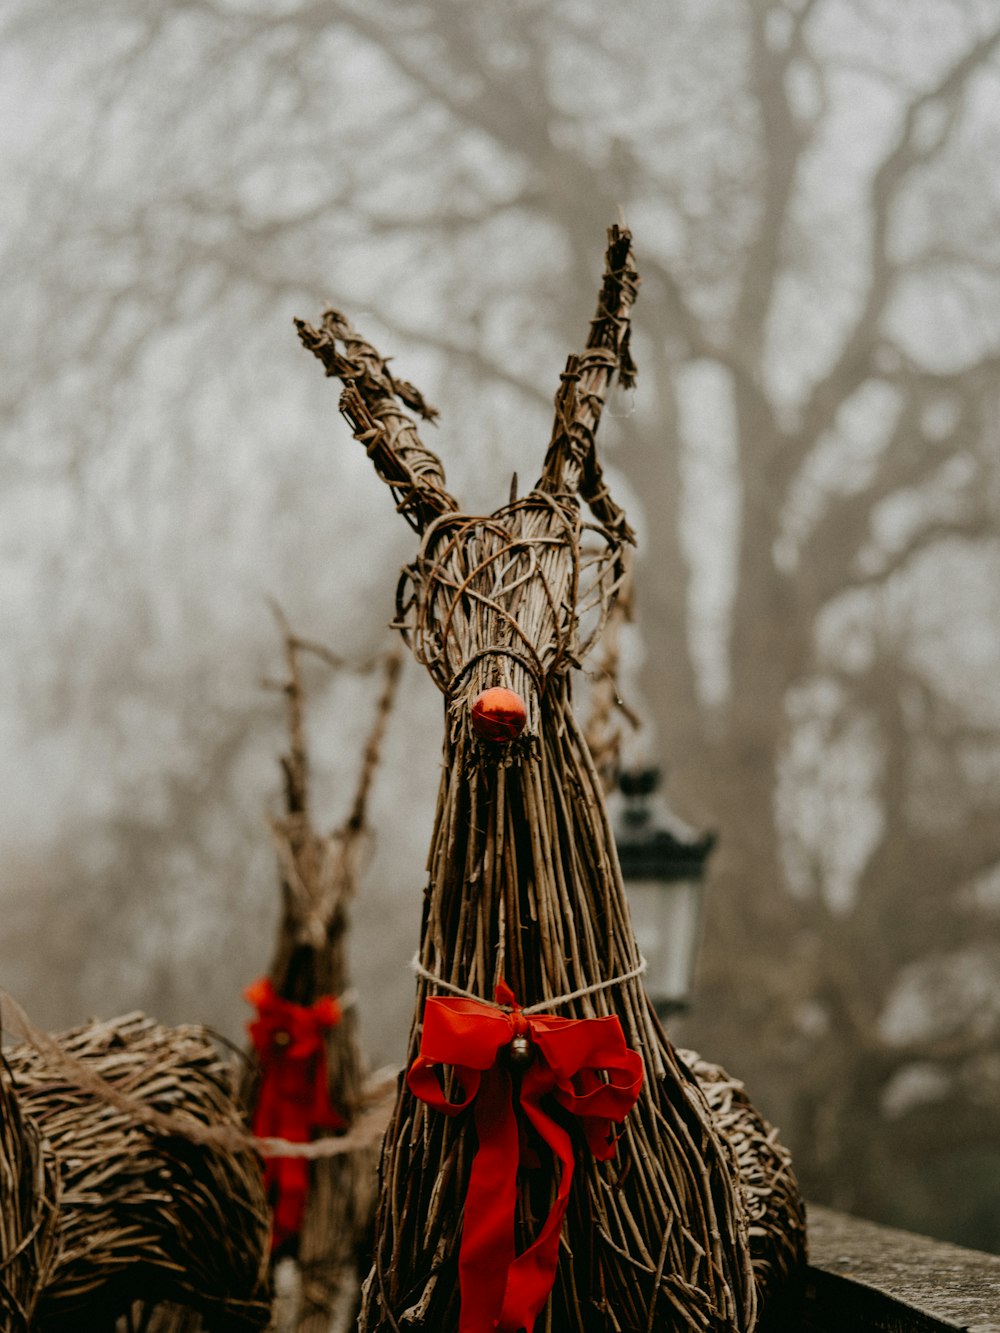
(318,879)
(319,876)
(769,1190)
(524,885)
(139,1215)
(29,1206)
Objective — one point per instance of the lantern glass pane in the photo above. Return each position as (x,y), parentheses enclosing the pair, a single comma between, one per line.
(666,920)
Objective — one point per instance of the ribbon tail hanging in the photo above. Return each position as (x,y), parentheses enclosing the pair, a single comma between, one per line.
(487,1248)
(532,1274)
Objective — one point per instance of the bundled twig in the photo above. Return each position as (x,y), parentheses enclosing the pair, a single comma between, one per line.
(524,886)
(319,875)
(767,1182)
(29,1206)
(768,1187)
(140,1215)
(607,708)
(369,403)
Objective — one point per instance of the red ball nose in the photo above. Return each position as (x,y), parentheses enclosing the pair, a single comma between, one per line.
(498,715)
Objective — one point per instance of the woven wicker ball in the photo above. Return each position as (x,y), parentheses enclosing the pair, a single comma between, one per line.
(29,1199)
(141,1215)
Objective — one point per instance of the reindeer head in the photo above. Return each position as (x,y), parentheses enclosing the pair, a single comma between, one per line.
(498,608)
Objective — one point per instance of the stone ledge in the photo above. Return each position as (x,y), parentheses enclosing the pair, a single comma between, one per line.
(863,1277)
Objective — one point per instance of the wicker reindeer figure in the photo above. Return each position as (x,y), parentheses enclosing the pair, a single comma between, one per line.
(505,1201)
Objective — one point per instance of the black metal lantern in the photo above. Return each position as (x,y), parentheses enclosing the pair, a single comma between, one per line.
(663,866)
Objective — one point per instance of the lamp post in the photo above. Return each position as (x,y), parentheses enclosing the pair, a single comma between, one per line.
(663,866)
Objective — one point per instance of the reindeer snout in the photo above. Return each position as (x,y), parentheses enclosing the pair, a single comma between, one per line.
(498,715)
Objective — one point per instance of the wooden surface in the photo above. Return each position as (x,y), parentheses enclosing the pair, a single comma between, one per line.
(868,1277)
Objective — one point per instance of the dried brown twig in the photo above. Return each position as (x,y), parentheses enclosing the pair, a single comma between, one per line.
(524,884)
(138,1215)
(319,873)
(370,403)
(607,707)
(571,462)
(87,1077)
(29,1210)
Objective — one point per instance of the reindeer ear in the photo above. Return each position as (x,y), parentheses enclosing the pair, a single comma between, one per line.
(371,404)
(571,463)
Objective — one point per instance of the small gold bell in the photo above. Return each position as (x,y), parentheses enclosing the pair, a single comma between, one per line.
(519,1051)
(282,1038)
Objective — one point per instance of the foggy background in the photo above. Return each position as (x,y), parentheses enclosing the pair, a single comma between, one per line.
(810,457)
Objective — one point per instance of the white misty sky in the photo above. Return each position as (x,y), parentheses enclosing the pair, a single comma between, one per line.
(138,545)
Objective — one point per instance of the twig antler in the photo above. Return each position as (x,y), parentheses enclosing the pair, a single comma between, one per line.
(295,764)
(370,404)
(571,463)
(604,732)
(356,820)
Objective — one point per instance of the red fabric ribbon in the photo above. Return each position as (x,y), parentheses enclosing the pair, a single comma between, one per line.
(293,1101)
(500,1289)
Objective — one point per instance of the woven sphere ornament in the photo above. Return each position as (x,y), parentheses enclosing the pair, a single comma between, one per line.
(498,715)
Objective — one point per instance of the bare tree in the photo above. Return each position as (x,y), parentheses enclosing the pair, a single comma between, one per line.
(814,197)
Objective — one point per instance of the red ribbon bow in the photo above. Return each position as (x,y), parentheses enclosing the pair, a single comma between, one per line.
(293,1101)
(500,1289)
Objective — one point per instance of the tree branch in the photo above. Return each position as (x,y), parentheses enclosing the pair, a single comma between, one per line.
(782,141)
(853,365)
(828,557)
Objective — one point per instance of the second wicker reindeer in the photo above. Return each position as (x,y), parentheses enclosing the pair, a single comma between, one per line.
(307,1075)
(692,1219)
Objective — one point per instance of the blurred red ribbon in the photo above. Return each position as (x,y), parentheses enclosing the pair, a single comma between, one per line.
(293,1101)
(502,1290)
